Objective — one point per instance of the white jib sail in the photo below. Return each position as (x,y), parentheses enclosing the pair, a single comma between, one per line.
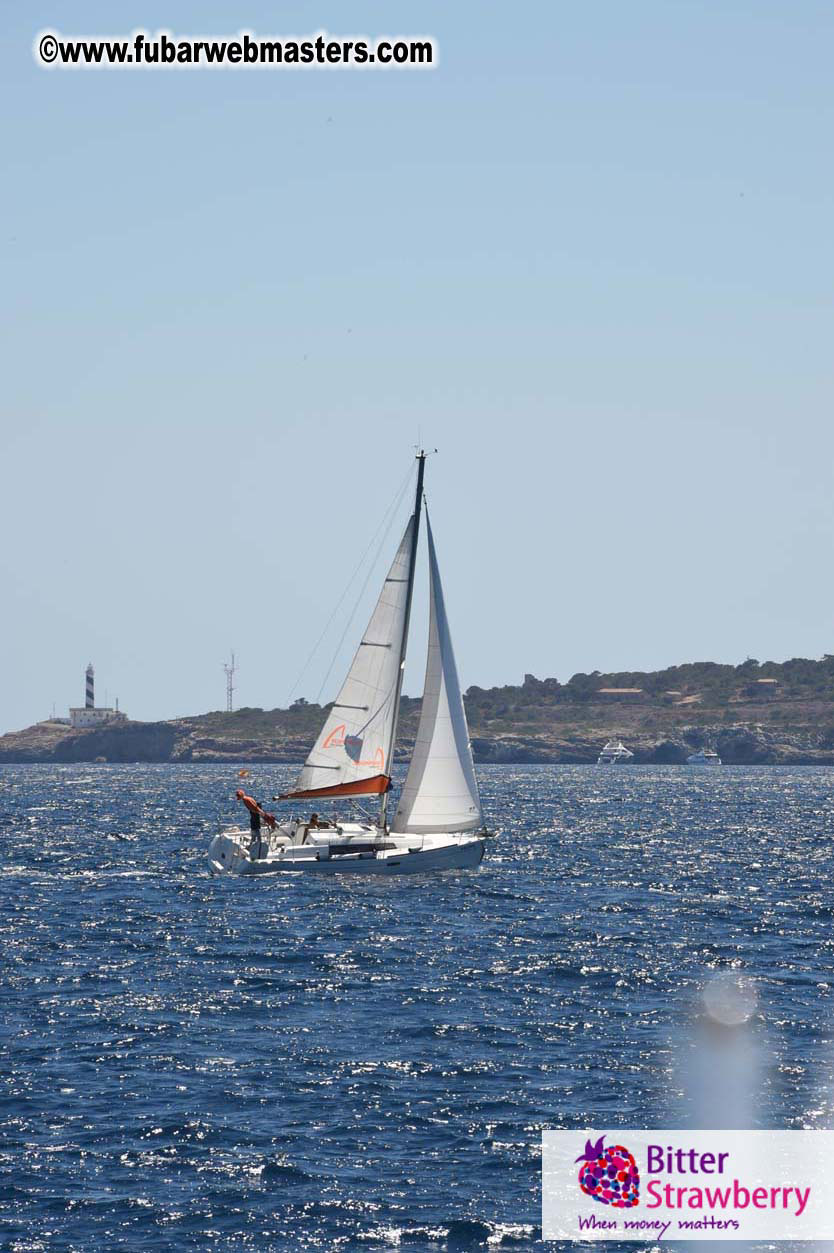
(440,791)
(355,741)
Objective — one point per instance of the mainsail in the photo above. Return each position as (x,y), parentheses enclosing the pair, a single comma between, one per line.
(350,757)
(440,791)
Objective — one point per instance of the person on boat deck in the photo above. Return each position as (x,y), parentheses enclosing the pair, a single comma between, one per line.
(317,824)
(256,814)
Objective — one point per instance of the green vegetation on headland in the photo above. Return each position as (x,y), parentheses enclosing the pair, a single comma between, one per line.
(756,712)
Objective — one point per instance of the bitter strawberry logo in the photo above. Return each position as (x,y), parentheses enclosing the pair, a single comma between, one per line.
(609,1175)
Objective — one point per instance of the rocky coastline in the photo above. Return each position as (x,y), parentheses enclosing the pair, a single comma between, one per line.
(771,713)
(183,741)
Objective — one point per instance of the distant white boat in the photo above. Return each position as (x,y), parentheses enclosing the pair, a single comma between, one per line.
(438,824)
(614,753)
(703,757)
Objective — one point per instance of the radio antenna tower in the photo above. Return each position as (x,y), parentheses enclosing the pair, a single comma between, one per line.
(230,683)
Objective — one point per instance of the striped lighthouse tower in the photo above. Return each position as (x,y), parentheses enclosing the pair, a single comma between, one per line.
(90,700)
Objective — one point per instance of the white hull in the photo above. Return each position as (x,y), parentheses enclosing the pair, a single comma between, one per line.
(614,754)
(231,852)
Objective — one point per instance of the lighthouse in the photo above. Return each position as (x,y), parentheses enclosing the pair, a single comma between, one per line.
(87,715)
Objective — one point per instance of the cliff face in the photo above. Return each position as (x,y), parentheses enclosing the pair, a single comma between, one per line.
(742,745)
(187,740)
(131,741)
(140,741)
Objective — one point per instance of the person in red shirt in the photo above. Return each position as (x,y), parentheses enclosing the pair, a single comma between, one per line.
(256,815)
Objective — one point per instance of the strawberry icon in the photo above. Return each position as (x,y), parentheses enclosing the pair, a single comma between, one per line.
(609,1175)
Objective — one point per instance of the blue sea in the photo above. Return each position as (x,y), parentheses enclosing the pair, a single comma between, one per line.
(338,1064)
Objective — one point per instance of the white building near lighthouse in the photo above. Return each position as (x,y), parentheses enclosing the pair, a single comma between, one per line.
(87,715)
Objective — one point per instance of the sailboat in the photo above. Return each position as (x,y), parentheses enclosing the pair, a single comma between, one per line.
(438,823)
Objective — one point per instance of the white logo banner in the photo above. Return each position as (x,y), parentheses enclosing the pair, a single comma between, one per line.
(687,1185)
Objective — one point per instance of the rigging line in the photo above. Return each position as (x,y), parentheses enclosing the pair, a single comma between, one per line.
(386,523)
(391,507)
(371,569)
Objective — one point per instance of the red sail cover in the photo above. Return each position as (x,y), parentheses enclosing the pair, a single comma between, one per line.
(359,787)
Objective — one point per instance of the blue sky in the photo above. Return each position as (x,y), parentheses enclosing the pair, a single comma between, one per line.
(589,257)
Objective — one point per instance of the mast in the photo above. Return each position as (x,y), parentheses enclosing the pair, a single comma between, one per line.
(415,535)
